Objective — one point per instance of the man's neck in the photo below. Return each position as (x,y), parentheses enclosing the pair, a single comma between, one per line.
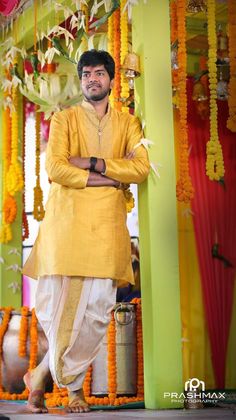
(100,107)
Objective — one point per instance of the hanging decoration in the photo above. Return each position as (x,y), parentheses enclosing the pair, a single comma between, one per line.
(23,334)
(214,162)
(25,224)
(14,178)
(124,33)
(231,122)
(116,56)
(38,210)
(184,187)
(196,6)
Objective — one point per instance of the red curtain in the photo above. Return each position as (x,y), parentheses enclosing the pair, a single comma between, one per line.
(214,207)
(7,6)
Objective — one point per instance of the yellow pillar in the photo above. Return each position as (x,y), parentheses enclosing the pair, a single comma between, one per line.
(157,209)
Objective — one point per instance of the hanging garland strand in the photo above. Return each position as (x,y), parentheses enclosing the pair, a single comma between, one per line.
(5,232)
(25,224)
(124,33)
(38,210)
(231,123)
(14,177)
(23,334)
(110,48)
(214,162)
(184,187)
(116,37)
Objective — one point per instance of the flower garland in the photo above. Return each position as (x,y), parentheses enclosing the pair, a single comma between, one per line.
(116,56)
(124,33)
(214,161)
(33,341)
(111,359)
(184,187)
(110,48)
(5,232)
(23,334)
(231,122)
(38,210)
(139,337)
(174,22)
(25,224)
(14,178)
(87,382)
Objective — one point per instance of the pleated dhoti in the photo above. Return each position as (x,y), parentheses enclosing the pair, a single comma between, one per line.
(74,313)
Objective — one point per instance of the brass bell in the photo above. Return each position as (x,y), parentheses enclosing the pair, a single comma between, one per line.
(131,68)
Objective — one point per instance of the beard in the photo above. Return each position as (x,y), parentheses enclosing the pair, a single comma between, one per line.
(96,96)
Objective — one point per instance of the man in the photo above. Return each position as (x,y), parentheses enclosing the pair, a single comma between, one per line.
(83,247)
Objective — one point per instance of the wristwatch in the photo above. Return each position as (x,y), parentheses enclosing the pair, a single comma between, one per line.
(93,162)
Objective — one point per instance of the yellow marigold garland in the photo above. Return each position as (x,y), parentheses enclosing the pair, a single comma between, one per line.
(14,178)
(38,210)
(25,224)
(116,56)
(184,187)
(110,47)
(231,123)
(23,334)
(5,232)
(214,161)
(124,35)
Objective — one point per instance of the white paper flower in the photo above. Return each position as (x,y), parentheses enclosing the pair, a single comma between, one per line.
(14,286)
(14,251)
(58,30)
(49,54)
(144,142)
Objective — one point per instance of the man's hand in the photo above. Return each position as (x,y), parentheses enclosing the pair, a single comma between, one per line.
(82,163)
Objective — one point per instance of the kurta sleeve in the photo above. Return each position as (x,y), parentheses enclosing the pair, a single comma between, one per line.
(58,168)
(133,170)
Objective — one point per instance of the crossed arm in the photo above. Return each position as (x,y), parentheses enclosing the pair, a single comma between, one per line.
(96,179)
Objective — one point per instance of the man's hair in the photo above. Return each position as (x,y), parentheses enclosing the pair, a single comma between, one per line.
(94,58)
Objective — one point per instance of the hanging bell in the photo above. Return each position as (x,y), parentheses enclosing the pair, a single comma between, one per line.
(131,68)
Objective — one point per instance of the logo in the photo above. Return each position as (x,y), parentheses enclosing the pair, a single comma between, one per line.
(194,385)
(195,392)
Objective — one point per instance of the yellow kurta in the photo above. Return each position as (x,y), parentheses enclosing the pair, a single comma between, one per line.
(84,230)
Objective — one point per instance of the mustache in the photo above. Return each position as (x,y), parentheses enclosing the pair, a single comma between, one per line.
(94,84)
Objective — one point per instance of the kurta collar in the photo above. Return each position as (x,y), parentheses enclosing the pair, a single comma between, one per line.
(88,107)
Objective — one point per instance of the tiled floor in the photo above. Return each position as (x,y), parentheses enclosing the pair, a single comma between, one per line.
(15,411)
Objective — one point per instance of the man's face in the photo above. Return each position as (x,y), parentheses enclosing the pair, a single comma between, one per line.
(95,82)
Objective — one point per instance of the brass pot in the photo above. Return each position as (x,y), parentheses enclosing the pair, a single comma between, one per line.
(13,366)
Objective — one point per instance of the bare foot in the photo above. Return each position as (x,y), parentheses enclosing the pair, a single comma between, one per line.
(36,397)
(77,403)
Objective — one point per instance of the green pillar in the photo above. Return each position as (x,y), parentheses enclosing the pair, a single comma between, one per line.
(157,209)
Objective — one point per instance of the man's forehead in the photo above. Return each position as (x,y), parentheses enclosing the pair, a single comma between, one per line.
(93,68)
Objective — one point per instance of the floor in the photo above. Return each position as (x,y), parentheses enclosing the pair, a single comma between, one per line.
(16,411)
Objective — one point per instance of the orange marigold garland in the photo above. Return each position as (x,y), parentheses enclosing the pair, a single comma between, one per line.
(139,336)
(33,341)
(184,187)
(231,122)
(38,210)
(111,350)
(214,161)
(23,334)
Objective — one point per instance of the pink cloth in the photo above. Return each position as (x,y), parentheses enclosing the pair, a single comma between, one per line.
(7,6)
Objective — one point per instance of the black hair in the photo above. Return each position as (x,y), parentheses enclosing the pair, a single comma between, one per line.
(94,58)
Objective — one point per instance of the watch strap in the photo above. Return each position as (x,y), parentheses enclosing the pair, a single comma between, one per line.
(93,161)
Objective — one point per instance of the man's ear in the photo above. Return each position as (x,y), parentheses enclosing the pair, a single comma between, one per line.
(112,84)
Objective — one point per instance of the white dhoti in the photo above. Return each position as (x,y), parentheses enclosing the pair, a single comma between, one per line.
(74,313)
